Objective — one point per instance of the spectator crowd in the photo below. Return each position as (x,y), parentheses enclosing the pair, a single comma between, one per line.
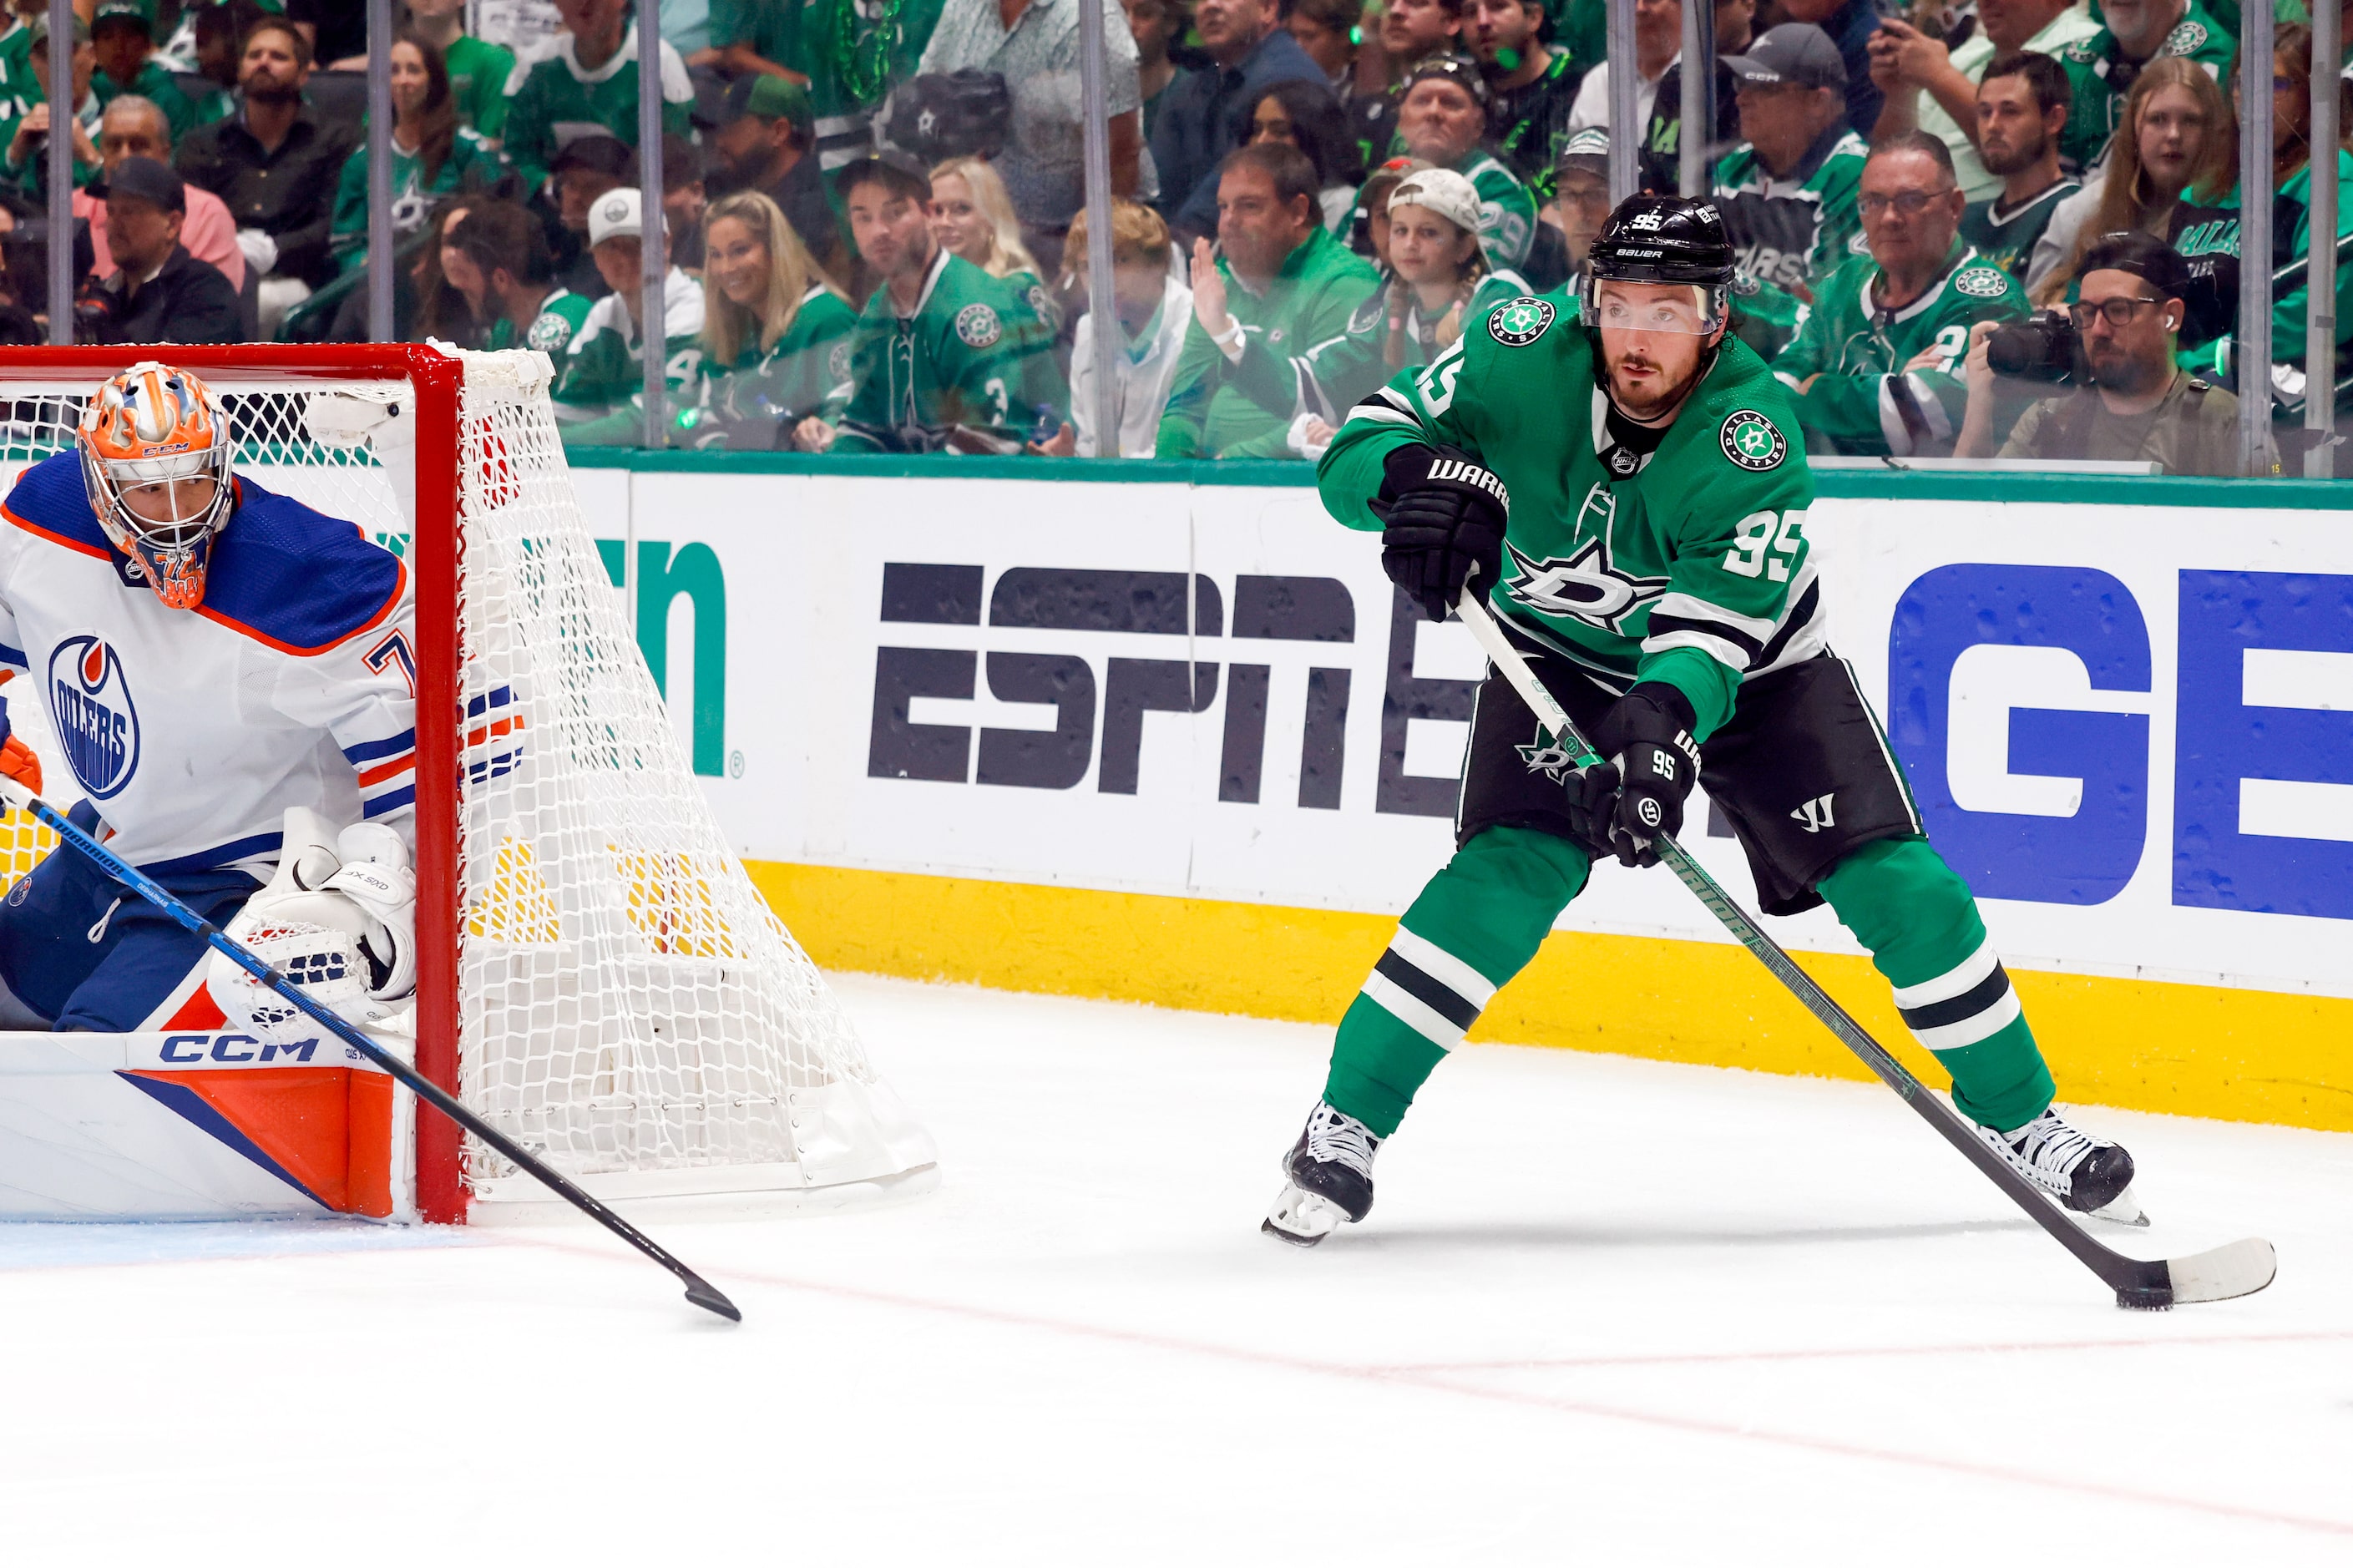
(1996,228)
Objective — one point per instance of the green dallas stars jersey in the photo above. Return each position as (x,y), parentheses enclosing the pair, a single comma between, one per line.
(557,322)
(551,101)
(159,87)
(806,371)
(1850,364)
(2101,77)
(600,382)
(478,70)
(1789,230)
(2005,237)
(1507,213)
(972,354)
(1693,568)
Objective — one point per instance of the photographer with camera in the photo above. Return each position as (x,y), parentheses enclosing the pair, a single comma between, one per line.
(2115,346)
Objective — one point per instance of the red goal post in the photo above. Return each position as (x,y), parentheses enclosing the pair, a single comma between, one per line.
(595,973)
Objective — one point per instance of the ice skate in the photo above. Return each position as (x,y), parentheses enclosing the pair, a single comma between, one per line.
(1329,1179)
(2087,1174)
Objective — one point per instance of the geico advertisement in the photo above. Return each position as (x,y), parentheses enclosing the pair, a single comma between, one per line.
(2130,727)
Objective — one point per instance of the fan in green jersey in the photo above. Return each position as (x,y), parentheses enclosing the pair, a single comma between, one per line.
(945,356)
(1626,487)
(1876,367)
(478,68)
(1443,119)
(2102,68)
(775,336)
(122,33)
(587,84)
(2022,110)
(497,256)
(432,153)
(600,390)
(1438,282)
(1787,192)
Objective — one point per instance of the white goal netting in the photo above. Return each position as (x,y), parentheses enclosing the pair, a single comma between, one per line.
(630,1006)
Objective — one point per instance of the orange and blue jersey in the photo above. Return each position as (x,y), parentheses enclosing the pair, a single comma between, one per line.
(294,683)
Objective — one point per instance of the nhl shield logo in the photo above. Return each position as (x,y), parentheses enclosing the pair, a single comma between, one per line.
(97,723)
(1515,323)
(1750,440)
(977,325)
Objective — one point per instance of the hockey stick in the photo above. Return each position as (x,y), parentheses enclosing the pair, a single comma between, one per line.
(2239,1268)
(698,1290)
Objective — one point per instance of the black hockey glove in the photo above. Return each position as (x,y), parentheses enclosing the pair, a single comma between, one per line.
(1622,804)
(1442,516)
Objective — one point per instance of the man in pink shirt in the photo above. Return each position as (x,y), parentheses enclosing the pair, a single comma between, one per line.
(132,127)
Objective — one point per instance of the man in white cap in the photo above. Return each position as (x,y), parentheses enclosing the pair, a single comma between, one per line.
(600,381)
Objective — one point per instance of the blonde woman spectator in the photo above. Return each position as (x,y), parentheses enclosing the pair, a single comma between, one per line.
(1153,306)
(2176,133)
(775,336)
(972,216)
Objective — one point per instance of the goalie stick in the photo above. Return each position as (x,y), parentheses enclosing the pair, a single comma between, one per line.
(2238,1268)
(698,1290)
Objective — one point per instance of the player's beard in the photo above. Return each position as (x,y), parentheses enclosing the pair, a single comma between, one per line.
(1651,404)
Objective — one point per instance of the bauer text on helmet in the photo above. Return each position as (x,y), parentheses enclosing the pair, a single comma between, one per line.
(154,445)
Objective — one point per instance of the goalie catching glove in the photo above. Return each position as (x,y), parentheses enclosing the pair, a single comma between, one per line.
(1442,518)
(339,919)
(1624,804)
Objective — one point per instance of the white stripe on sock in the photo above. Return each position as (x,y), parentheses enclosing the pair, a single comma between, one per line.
(1976,1026)
(1955,982)
(1409,1010)
(1443,967)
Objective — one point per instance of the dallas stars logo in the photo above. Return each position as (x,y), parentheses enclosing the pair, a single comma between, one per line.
(1547,757)
(1750,440)
(1515,323)
(1585,586)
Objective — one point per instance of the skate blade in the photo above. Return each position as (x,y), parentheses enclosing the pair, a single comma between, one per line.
(2123,1209)
(1302,1218)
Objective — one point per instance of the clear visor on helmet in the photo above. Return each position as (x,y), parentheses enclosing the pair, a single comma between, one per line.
(167,504)
(1617,305)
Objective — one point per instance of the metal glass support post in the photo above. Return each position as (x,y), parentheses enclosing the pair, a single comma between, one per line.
(2320,319)
(2252,353)
(60,172)
(1696,134)
(1625,77)
(380,261)
(655,243)
(1101,304)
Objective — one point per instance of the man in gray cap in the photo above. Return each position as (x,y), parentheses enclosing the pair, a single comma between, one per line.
(1787,191)
(157,293)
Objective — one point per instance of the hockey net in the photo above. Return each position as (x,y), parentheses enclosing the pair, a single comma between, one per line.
(597,972)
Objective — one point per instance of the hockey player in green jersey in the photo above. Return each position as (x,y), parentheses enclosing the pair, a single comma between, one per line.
(1787,192)
(562,89)
(1626,487)
(1877,366)
(945,356)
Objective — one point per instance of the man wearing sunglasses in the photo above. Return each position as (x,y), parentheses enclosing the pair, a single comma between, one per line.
(2131,402)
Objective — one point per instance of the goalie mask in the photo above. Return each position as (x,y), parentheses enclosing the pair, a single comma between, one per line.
(154,445)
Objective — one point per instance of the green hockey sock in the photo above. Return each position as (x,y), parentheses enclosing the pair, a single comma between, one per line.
(1920,923)
(1476,925)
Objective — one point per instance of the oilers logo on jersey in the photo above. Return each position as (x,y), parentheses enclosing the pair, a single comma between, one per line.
(97,723)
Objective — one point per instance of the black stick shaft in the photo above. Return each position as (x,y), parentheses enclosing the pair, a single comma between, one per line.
(2125,1274)
(698,1290)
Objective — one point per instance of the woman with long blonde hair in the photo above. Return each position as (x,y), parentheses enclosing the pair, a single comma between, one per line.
(973,217)
(776,335)
(2176,133)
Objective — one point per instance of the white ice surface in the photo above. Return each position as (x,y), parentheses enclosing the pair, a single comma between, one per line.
(1606,1312)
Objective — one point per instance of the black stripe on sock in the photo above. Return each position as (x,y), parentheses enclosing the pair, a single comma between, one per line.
(1434,994)
(1967,1005)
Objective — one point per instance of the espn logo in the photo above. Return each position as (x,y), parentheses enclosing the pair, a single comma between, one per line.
(1461,473)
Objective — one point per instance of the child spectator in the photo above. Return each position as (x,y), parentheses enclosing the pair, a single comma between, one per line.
(275,165)
(1301,114)
(589,79)
(432,153)
(2181,138)
(776,335)
(946,357)
(1442,118)
(133,128)
(478,68)
(122,34)
(497,257)
(1438,278)
(1153,308)
(1279,331)
(600,385)
(1368,234)
(27,158)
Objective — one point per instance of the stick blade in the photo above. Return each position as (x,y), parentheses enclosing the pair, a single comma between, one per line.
(703,1294)
(2242,1268)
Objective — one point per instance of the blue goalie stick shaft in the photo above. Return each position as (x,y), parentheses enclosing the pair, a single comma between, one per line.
(2238,1268)
(698,1290)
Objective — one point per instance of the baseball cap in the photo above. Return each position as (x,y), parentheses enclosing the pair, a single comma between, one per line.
(899,171)
(1793,51)
(39,31)
(145,179)
(2144,256)
(1460,69)
(1443,191)
(617,214)
(1589,148)
(604,154)
(139,11)
(771,98)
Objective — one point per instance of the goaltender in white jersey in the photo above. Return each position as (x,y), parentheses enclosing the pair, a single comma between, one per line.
(214,656)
